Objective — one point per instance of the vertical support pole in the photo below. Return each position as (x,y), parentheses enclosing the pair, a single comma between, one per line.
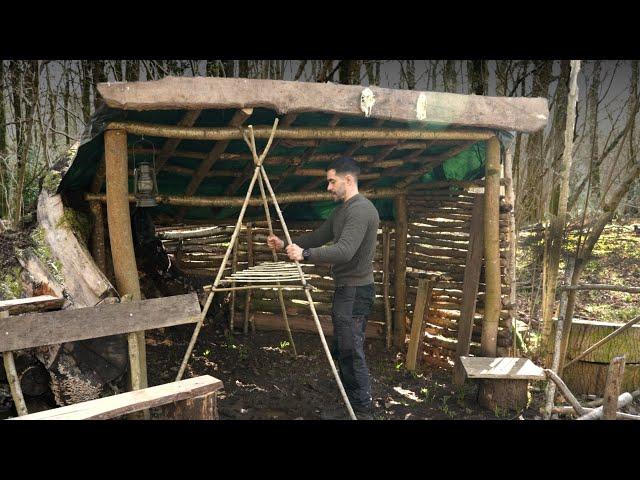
(470,284)
(247,304)
(386,250)
(12,378)
(491,249)
(98,250)
(120,237)
(400,270)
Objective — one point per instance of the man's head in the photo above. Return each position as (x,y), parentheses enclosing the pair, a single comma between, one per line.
(342,178)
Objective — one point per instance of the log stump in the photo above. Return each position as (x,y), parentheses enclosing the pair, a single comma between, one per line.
(503,394)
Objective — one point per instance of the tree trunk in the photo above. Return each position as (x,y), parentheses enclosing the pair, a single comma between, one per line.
(478,74)
(98,76)
(86,74)
(558,221)
(243,68)
(133,71)
(228,68)
(3,119)
(450,76)
(349,72)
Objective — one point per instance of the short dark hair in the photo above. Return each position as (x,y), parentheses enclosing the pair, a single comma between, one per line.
(344,165)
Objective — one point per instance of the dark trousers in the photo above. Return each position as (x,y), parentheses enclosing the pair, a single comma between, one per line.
(351,306)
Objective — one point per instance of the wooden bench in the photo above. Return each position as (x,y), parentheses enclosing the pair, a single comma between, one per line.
(191,399)
(504,381)
(50,328)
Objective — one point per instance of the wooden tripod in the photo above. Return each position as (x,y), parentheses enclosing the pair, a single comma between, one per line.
(260,175)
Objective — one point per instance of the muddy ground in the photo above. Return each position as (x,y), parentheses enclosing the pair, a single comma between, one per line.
(262,380)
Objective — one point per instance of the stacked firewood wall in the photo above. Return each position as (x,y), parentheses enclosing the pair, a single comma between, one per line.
(438,237)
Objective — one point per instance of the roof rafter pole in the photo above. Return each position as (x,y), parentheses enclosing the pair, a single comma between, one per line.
(118,218)
(169,147)
(291,197)
(212,157)
(412,156)
(317,133)
(491,249)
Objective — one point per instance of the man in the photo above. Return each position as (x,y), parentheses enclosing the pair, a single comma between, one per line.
(353,228)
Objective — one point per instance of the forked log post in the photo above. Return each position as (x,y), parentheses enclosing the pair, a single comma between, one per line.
(120,237)
(491,249)
(400,271)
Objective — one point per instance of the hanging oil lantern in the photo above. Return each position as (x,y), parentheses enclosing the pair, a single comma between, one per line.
(145,186)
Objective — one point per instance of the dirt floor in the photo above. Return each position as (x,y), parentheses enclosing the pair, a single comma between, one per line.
(262,380)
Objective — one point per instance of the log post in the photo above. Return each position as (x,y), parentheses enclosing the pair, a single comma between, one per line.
(491,249)
(510,198)
(120,237)
(386,249)
(612,388)
(470,287)
(400,271)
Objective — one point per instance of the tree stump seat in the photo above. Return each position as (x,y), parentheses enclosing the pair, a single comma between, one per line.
(504,381)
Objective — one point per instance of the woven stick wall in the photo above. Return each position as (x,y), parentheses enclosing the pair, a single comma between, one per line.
(439,222)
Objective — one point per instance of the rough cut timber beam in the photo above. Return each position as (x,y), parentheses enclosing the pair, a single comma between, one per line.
(315,133)
(195,93)
(188,120)
(287,121)
(212,157)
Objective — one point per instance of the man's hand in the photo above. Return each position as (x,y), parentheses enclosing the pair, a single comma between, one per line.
(294,252)
(275,243)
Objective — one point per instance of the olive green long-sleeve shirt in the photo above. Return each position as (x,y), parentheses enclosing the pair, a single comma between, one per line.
(353,229)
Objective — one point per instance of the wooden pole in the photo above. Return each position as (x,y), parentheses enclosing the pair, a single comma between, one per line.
(551,386)
(566,393)
(386,250)
(612,388)
(623,400)
(400,271)
(120,237)
(317,133)
(510,198)
(470,286)
(414,352)
(491,249)
(234,266)
(291,197)
(274,255)
(247,303)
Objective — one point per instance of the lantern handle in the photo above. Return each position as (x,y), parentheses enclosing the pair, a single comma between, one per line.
(142,139)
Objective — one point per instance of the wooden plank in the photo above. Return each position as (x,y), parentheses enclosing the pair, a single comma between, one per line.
(417,326)
(510,368)
(470,286)
(520,114)
(31,304)
(612,388)
(124,403)
(50,328)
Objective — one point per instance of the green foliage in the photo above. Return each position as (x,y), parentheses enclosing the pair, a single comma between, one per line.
(43,252)
(51,181)
(78,223)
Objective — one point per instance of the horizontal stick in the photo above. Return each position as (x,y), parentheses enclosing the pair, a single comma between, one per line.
(598,286)
(317,133)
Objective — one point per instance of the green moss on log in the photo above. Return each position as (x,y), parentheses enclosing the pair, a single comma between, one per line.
(52,181)
(78,223)
(43,252)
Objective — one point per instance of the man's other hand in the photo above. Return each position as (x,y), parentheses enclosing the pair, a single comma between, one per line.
(275,243)
(294,252)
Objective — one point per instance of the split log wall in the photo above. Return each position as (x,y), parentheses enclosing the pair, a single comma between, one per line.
(438,237)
